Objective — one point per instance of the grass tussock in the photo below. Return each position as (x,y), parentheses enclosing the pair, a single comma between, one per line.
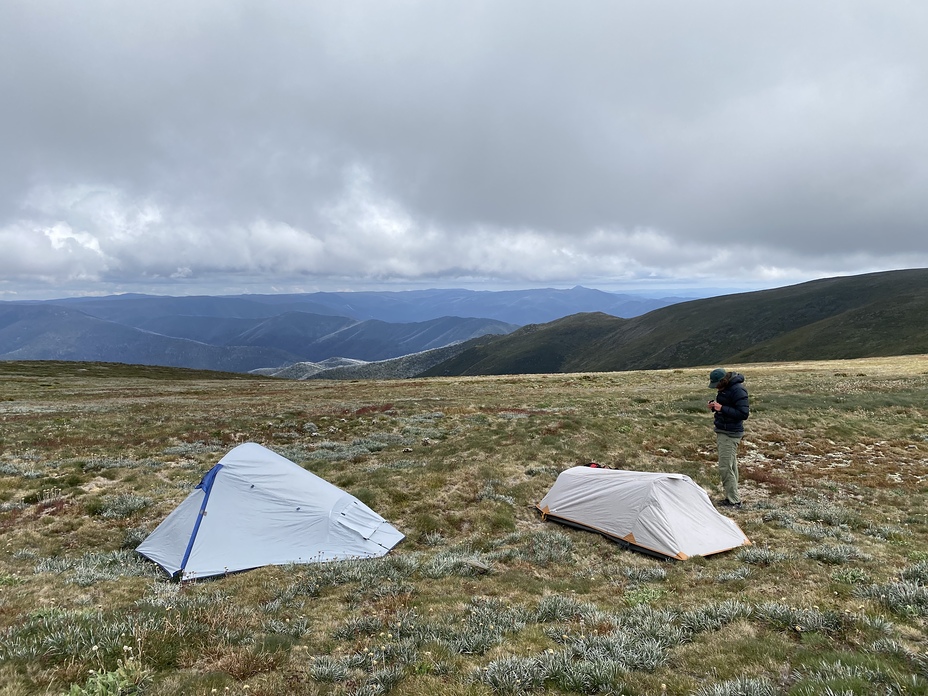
(483,597)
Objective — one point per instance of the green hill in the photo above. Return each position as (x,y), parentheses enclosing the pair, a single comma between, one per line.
(872,315)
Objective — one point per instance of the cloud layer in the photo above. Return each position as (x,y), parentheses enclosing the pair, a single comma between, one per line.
(292,145)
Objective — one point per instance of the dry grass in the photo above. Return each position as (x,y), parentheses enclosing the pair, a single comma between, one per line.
(831,596)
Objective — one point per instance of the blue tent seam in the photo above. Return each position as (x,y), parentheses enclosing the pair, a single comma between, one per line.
(207,486)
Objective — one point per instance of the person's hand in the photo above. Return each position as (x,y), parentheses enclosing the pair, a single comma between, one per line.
(715,406)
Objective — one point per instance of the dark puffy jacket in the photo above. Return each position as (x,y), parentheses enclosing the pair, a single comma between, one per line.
(735,409)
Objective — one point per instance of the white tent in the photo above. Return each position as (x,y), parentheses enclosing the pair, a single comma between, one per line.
(661,514)
(256,508)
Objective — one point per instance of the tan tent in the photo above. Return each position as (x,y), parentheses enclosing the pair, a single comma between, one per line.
(660,514)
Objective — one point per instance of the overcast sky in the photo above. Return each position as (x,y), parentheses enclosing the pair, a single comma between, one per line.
(221,146)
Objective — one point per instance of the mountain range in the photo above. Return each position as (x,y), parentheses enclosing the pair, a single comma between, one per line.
(272,333)
(878,314)
(350,336)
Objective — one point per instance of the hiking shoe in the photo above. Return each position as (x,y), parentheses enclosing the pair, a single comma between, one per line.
(725,502)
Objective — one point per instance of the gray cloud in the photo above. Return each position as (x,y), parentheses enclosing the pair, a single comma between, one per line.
(309,144)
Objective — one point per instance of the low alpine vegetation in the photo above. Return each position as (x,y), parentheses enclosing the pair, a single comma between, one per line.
(484,596)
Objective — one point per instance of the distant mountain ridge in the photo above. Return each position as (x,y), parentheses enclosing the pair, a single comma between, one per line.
(517,307)
(258,332)
(877,314)
(48,332)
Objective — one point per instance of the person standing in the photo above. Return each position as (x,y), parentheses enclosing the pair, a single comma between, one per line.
(731,408)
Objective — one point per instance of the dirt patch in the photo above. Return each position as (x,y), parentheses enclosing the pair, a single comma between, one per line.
(96,484)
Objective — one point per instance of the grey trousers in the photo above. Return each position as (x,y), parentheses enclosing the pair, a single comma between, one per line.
(728,464)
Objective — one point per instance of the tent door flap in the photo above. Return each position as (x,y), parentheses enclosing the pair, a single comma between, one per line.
(359,519)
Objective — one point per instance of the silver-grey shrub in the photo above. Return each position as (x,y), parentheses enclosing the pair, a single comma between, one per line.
(337,452)
(484,626)
(828,513)
(587,677)
(472,640)
(630,651)
(714,616)
(512,675)
(737,574)
(70,635)
(647,623)
(398,465)
(121,506)
(886,532)
(383,680)
(189,449)
(761,556)
(916,573)
(815,682)
(787,618)
(496,612)
(324,668)
(544,548)
(433,539)
(836,554)
(850,576)
(517,675)
(297,628)
(359,626)
(876,623)
(653,574)
(134,537)
(453,563)
(821,531)
(560,608)
(905,597)
(489,492)
(740,686)
(94,567)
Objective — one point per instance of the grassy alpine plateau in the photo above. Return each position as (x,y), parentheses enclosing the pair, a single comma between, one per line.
(483,597)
